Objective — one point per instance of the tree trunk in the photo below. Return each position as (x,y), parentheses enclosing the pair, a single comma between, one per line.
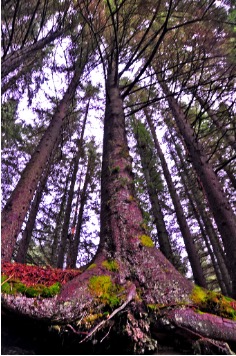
(183,224)
(66,221)
(73,252)
(208,227)
(152,181)
(17,206)
(131,296)
(221,209)
(64,234)
(59,222)
(194,199)
(27,233)
(123,238)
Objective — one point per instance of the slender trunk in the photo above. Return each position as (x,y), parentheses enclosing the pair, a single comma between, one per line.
(73,252)
(17,206)
(73,228)
(221,209)
(64,234)
(27,234)
(216,278)
(199,200)
(210,231)
(183,224)
(59,219)
(192,198)
(215,243)
(66,220)
(152,181)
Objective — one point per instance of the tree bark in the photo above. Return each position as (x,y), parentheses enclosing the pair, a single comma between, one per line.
(224,279)
(73,252)
(59,222)
(151,177)
(17,206)
(64,233)
(122,230)
(27,233)
(185,231)
(221,209)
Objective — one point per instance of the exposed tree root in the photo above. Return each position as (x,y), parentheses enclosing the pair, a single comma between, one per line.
(153,304)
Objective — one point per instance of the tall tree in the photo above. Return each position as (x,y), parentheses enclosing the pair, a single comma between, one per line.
(182,221)
(221,209)
(196,198)
(76,159)
(75,238)
(17,206)
(154,185)
(128,274)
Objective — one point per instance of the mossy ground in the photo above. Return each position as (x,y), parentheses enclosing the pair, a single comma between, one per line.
(14,286)
(214,303)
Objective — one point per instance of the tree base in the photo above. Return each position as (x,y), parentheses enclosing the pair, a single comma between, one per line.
(138,307)
(22,335)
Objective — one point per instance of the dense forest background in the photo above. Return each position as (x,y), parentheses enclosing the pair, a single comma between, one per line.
(175,66)
(196,64)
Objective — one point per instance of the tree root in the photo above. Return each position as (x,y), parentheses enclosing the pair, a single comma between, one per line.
(130,296)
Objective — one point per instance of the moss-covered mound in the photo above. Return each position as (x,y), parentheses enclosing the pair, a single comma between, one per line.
(214,303)
(33,281)
(14,286)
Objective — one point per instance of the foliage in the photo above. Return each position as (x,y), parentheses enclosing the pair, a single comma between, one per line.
(31,275)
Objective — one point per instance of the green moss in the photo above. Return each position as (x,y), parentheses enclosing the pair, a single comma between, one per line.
(152,306)
(93,265)
(105,290)
(91,318)
(111,265)
(51,291)
(20,287)
(34,291)
(15,287)
(146,241)
(156,307)
(3,278)
(214,303)
(6,288)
